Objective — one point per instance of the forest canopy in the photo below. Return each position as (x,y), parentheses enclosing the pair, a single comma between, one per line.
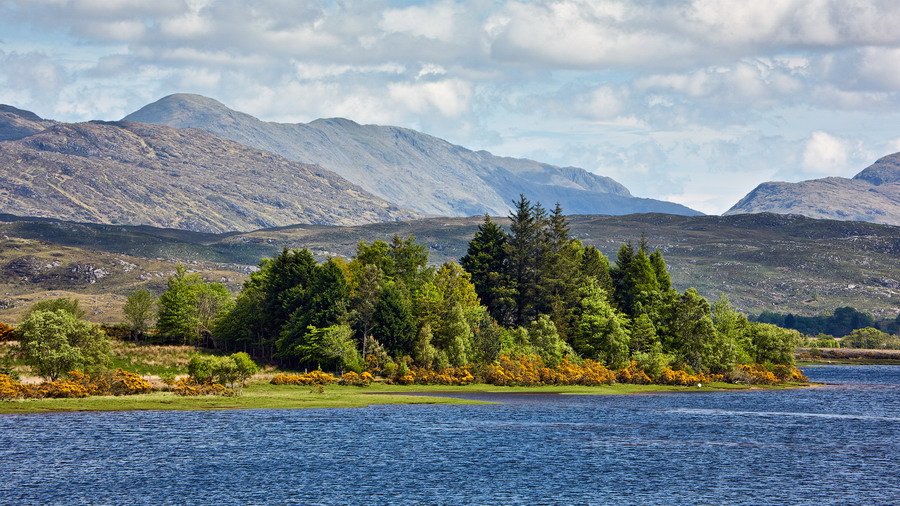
(529,289)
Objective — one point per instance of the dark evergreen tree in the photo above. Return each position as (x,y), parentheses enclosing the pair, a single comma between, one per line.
(595,265)
(394,325)
(325,305)
(664,281)
(486,261)
(526,253)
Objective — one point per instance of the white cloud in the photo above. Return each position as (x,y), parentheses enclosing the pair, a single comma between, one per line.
(825,154)
(450,97)
(437,21)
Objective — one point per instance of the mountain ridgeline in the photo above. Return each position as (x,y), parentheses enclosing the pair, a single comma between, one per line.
(409,168)
(142,174)
(873,195)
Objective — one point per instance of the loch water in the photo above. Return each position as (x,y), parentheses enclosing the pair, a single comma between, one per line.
(835,444)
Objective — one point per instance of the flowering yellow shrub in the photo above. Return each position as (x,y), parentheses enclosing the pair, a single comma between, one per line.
(6,331)
(633,374)
(759,374)
(352,378)
(10,388)
(128,383)
(310,378)
(447,376)
(189,388)
(61,389)
(788,373)
(530,370)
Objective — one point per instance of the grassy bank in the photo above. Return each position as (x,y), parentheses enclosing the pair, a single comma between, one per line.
(266,396)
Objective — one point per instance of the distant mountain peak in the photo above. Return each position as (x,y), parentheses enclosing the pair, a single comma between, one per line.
(873,195)
(409,168)
(885,170)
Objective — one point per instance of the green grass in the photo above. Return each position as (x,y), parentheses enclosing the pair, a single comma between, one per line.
(267,396)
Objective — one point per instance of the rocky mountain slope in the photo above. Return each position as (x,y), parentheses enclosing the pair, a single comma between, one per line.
(762,261)
(16,123)
(136,173)
(872,195)
(406,167)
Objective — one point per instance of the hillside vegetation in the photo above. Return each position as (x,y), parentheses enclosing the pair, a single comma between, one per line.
(763,261)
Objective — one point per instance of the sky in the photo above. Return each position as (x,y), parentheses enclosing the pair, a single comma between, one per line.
(692,101)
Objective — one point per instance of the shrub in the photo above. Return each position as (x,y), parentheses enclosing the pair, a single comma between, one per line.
(60,389)
(128,383)
(10,388)
(360,380)
(188,388)
(310,378)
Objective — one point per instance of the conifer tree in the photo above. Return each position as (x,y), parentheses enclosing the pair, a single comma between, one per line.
(594,264)
(526,249)
(663,279)
(486,261)
(394,325)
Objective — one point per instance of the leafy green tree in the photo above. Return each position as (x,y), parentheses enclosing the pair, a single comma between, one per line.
(487,339)
(284,283)
(732,328)
(330,346)
(600,332)
(377,254)
(410,259)
(871,338)
(663,280)
(189,306)
(643,334)
(364,295)
(56,342)
(773,344)
(245,367)
(546,341)
(177,318)
(60,304)
(139,310)
(424,353)
(325,307)
(694,334)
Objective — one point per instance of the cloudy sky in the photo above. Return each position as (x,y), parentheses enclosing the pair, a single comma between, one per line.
(694,101)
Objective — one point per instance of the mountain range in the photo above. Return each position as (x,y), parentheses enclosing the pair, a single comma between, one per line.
(135,173)
(408,168)
(873,195)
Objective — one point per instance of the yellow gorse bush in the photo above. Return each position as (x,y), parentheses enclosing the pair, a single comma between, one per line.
(352,378)
(310,378)
(187,387)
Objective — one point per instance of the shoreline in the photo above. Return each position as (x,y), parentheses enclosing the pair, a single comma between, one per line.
(267,396)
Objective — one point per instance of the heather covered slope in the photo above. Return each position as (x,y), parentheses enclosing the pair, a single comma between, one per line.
(873,195)
(763,261)
(135,173)
(406,167)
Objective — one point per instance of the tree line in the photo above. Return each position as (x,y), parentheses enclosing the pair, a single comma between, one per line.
(526,289)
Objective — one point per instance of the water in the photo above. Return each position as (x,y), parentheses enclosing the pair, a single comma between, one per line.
(833,444)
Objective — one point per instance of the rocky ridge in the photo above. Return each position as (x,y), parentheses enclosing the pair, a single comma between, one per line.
(873,195)
(412,169)
(141,174)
